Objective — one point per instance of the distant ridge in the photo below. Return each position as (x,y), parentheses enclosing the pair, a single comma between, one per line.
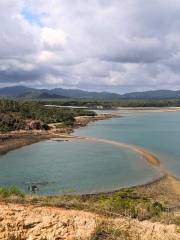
(32,93)
(25,92)
(156,94)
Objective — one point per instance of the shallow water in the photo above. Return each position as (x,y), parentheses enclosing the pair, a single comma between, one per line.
(159,132)
(74,166)
(83,166)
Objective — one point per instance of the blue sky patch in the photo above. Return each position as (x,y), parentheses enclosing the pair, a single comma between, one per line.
(32,17)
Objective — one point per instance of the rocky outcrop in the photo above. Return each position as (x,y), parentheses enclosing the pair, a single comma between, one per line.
(36,125)
(30,222)
(82,121)
(37,223)
(146,230)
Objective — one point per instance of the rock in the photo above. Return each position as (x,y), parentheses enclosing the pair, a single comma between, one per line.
(82,121)
(35,125)
(37,223)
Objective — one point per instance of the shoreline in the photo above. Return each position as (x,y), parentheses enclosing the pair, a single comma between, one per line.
(150,109)
(13,140)
(19,139)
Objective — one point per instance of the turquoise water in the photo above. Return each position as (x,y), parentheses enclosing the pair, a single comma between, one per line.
(158,132)
(75,166)
(84,166)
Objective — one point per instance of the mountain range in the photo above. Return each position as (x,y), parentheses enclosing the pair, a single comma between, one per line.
(33,93)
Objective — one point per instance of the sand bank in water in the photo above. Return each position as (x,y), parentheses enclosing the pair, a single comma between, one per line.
(148,156)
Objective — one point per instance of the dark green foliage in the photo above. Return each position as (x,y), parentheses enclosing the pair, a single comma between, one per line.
(13,114)
(93,103)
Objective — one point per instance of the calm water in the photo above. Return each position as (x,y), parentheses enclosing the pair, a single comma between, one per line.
(73,166)
(83,166)
(158,132)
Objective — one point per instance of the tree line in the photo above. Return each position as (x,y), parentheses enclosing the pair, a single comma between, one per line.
(14,114)
(108,104)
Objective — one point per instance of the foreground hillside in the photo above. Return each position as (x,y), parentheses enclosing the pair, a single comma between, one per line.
(149,212)
(20,222)
(29,222)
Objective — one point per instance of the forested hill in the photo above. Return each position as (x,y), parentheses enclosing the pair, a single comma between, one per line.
(32,93)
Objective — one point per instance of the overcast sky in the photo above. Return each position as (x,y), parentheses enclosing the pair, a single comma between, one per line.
(111,45)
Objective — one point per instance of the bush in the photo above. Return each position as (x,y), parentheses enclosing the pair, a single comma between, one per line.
(11,122)
(6,192)
(156,209)
(127,203)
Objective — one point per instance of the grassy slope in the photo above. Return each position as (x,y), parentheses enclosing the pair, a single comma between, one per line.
(116,210)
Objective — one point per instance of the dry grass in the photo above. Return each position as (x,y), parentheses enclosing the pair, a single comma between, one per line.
(107,231)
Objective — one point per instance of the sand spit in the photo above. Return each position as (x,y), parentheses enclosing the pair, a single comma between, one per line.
(148,156)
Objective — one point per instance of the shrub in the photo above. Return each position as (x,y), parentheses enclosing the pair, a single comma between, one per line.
(11,122)
(6,192)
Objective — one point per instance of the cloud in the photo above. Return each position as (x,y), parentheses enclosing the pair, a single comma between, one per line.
(112,45)
(53,37)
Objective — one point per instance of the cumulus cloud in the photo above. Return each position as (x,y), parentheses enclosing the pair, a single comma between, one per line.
(112,45)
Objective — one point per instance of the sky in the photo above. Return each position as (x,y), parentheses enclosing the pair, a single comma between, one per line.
(96,45)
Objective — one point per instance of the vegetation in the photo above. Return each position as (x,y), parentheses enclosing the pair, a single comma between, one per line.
(6,192)
(105,231)
(10,122)
(122,203)
(126,202)
(92,103)
(14,114)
